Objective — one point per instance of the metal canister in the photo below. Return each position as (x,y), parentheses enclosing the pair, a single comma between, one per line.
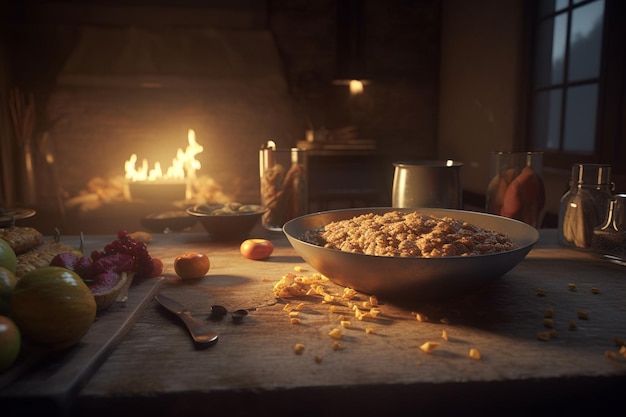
(427,184)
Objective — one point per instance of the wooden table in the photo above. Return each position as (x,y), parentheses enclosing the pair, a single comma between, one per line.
(253,369)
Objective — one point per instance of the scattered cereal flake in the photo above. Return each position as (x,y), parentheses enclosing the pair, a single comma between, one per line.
(541,292)
(611,355)
(318,359)
(265,279)
(572,325)
(583,315)
(333,309)
(298,348)
(429,347)
(543,336)
(474,354)
(374,312)
(295,320)
(444,335)
(571,286)
(337,346)
(335,333)
(298,268)
(421,317)
(548,323)
(366,304)
(288,307)
(345,323)
(299,307)
(549,313)
(595,290)
(349,293)
(622,351)
(290,285)
(444,320)
(293,314)
(358,314)
(373,301)
(369,330)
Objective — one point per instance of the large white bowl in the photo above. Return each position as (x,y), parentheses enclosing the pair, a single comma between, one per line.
(412,278)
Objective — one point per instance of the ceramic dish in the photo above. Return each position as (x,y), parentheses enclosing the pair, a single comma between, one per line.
(8,217)
(415,278)
(228,222)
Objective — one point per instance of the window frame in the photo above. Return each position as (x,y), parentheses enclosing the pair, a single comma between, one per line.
(610,129)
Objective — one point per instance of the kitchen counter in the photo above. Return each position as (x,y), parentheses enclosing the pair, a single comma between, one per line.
(377,366)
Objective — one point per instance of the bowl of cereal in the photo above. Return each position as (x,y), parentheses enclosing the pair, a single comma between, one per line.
(230,221)
(423,253)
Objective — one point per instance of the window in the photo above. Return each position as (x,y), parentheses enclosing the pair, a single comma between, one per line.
(576,81)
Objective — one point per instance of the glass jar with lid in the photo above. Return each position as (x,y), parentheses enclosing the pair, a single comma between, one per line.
(585,205)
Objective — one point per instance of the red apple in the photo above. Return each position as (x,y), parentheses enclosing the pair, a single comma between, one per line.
(192,265)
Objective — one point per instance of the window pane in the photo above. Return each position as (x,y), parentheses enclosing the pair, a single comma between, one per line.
(547,117)
(580,118)
(546,7)
(586,41)
(550,51)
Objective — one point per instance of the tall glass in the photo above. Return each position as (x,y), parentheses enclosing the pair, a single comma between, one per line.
(516,189)
(284,185)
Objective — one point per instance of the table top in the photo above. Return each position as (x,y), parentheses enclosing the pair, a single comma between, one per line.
(528,361)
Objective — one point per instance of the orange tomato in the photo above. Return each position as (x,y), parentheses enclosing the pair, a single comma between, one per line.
(192,265)
(256,248)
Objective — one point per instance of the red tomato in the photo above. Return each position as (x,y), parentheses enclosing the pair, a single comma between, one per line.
(157,268)
(256,248)
(192,265)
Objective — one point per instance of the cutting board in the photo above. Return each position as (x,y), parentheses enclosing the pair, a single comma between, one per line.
(56,377)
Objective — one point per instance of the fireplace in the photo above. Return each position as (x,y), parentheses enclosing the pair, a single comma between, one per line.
(228,86)
(127,90)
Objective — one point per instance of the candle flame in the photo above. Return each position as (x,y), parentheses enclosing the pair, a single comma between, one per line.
(183,167)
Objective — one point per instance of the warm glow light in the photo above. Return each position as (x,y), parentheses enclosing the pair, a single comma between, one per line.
(183,167)
(356,87)
(449,163)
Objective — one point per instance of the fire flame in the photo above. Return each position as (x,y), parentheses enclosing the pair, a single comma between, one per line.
(183,167)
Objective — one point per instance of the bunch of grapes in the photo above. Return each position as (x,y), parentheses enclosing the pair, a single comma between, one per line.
(125,244)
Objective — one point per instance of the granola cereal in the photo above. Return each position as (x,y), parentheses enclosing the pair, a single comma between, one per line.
(413,234)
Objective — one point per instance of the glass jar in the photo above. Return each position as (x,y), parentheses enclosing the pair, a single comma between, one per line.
(609,239)
(284,185)
(584,206)
(516,189)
